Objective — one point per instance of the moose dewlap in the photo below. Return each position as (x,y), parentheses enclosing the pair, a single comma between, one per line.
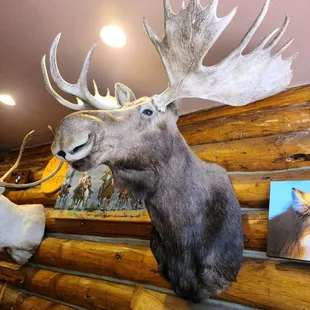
(197,235)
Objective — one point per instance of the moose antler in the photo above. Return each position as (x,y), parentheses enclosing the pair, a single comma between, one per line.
(238,79)
(85,100)
(19,186)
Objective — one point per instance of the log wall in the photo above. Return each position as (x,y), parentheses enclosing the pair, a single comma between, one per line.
(90,264)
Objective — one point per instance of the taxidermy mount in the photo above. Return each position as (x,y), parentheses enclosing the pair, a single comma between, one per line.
(21,226)
(197,233)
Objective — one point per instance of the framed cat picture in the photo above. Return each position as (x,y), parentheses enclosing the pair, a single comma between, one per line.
(289,220)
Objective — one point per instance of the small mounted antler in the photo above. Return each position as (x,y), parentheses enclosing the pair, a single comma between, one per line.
(238,79)
(20,186)
(85,100)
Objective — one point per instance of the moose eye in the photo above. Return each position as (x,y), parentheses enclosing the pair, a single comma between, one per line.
(147,112)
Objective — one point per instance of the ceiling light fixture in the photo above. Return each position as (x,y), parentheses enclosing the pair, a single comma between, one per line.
(113,35)
(6,99)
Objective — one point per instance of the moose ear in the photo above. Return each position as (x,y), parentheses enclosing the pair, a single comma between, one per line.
(174,106)
(123,94)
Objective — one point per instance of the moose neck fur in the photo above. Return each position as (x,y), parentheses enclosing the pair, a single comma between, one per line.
(158,173)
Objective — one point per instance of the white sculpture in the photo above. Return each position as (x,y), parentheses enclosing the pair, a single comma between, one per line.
(21,226)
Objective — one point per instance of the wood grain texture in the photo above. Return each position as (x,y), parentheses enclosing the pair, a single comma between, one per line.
(252,189)
(32,195)
(278,152)
(259,124)
(87,292)
(100,228)
(16,300)
(295,95)
(271,284)
(255,226)
(127,262)
(120,261)
(261,283)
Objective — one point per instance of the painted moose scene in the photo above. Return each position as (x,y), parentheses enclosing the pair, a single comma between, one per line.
(93,192)
(289,220)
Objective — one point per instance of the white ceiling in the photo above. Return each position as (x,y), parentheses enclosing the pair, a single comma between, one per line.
(28,27)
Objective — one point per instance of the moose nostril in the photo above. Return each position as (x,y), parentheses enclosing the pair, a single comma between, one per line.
(78,148)
(62,154)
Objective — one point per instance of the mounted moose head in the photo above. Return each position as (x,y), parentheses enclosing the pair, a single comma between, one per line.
(21,227)
(197,235)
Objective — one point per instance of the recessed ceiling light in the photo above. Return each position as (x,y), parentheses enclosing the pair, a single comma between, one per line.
(6,99)
(113,35)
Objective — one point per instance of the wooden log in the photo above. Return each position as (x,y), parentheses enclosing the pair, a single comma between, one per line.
(255,226)
(261,283)
(100,228)
(16,300)
(87,292)
(134,263)
(278,152)
(32,195)
(29,152)
(295,95)
(259,124)
(255,230)
(32,164)
(253,189)
(271,284)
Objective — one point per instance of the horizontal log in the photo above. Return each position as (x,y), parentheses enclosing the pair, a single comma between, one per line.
(87,292)
(100,228)
(265,123)
(32,195)
(34,164)
(29,153)
(295,95)
(16,300)
(271,284)
(278,152)
(252,189)
(255,225)
(125,262)
(261,283)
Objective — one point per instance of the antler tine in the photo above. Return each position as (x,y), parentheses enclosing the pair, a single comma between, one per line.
(263,43)
(108,98)
(253,29)
(72,89)
(236,80)
(284,47)
(51,91)
(213,6)
(18,158)
(80,89)
(20,186)
(167,9)
(98,101)
(279,35)
(153,37)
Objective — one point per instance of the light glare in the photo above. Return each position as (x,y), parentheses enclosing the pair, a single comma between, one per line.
(113,36)
(6,99)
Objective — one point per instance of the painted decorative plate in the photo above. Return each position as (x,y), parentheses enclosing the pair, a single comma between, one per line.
(54,183)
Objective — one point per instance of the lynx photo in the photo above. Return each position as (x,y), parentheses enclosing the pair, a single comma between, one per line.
(289,220)
(94,192)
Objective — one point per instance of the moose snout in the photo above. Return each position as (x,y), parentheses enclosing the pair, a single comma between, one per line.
(73,147)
